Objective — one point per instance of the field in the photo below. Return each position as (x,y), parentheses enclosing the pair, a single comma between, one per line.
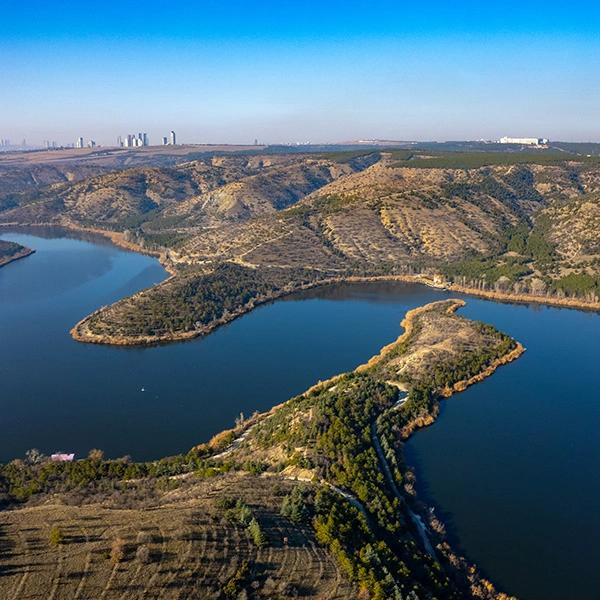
(193,548)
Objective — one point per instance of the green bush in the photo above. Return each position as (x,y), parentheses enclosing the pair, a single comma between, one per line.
(56,536)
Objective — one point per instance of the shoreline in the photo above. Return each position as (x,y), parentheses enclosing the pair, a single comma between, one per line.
(23,254)
(80,333)
(116,237)
(92,338)
(415,503)
(564,302)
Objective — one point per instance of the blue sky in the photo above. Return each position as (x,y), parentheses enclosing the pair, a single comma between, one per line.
(298,71)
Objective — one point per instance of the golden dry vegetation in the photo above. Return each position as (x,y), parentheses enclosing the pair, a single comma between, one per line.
(511,228)
(193,548)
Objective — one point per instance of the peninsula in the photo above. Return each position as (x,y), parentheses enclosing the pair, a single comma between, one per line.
(10,251)
(310,499)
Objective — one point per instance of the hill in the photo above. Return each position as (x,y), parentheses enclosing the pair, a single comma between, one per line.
(159,201)
(518,225)
(525,230)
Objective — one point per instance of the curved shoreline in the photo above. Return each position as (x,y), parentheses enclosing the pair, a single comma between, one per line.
(431,539)
(116,237)
(417,506)
(23,254)
(81,333)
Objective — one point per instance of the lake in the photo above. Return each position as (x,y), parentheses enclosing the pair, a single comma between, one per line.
(511,464)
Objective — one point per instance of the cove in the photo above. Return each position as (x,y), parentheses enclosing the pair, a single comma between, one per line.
(58,394)
(511,464)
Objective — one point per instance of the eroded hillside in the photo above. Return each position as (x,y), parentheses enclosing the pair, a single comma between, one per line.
(522,225)
(175,199)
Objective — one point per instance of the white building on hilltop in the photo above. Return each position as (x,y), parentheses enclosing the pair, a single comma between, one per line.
(524,141)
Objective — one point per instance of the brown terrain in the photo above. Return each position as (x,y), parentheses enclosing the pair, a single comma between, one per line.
(39,168)
(507,226)
(522,231)
(193,547)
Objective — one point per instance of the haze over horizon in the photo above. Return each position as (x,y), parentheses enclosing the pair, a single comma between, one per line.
(322,72)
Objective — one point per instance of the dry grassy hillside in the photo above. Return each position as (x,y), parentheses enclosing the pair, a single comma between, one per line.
(190,545)
(501,228)
(22,170)
(388,214)
(273,188)
(15,179)
(574,227)
(176,199)
(510,226)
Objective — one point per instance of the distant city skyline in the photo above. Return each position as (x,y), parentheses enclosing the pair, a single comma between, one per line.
(142,140)
(319,71)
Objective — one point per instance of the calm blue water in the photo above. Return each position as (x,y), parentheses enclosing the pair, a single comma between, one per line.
(512,464)
(514,461)
(60,394)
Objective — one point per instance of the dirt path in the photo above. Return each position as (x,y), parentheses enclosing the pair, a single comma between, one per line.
(387,472)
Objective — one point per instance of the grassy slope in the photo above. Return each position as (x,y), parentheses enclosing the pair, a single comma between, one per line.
(520,223)
(509,228)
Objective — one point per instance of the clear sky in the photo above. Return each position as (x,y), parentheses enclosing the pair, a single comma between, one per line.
(279,71)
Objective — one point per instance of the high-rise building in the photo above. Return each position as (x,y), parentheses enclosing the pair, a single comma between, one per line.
(165,141)
(91,144)
(145,139)
(173,139)
(79,143)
